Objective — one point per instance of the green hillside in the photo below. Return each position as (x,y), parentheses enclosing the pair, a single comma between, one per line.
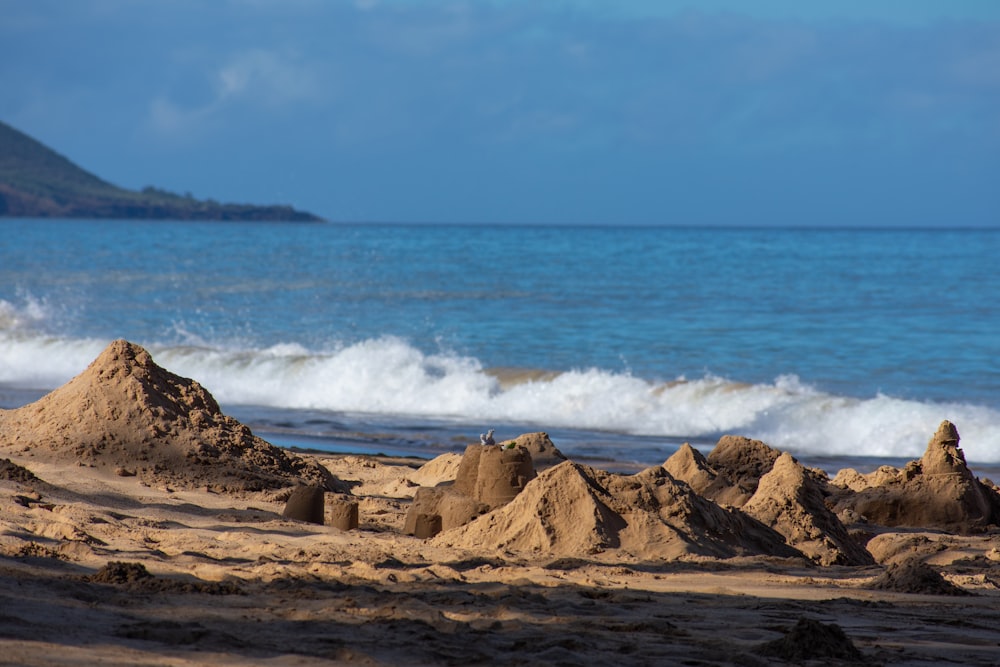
(37,182)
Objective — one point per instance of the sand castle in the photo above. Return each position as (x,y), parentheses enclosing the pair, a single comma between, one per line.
(488,477)
(937,491)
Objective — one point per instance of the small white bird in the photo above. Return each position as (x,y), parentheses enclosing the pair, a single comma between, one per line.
(487,438)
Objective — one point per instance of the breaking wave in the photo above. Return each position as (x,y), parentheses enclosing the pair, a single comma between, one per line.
(390,376)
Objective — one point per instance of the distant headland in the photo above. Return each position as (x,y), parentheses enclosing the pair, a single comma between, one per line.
(37,182)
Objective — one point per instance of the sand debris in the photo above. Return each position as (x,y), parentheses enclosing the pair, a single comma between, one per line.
(915,576)
(809,639)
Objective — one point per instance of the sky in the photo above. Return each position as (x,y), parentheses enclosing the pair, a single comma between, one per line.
(647,112)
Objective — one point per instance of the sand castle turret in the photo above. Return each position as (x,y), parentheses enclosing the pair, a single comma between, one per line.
(306,503)
(943,456)
(499,475)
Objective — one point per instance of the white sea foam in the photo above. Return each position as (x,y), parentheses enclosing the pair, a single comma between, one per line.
(389,376)
(31,359)
(25,317)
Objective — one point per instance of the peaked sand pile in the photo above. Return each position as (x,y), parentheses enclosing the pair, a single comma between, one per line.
(743,461)
(689,465)
(809,639)
(544,454)
(573,509)
(128,414)
(791,502)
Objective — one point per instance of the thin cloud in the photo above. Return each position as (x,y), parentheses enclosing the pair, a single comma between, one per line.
(441,102)
(255,78)
(272,78)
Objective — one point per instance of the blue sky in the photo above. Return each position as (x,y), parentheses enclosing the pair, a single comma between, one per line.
(720,112)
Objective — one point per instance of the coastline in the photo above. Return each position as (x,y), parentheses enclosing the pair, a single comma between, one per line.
(422,440)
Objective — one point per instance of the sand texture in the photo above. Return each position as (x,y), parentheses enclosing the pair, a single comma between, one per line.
(141,526)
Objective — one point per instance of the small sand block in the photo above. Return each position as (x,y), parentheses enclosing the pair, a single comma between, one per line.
(343,514)
(306,504)
(426,525)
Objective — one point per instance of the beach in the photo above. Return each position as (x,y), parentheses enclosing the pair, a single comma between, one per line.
(499,333)
(141,526)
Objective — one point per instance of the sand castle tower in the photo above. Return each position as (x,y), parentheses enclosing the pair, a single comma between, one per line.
(494,475)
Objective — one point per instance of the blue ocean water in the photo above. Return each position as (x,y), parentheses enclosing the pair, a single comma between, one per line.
(622,342)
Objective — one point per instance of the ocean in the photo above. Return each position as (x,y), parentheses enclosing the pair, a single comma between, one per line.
(842,346)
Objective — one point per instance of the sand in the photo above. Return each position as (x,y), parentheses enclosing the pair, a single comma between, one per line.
(110,559)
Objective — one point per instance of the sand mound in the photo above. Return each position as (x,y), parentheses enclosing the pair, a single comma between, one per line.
(437,471)
(690,466)
(812,640)
(743,461)
(915,576)
(12,472)
(937,491)
(120,572)
(851,479)
(573,509)
(544,453)
(125,412)
(791,502)
(135,577)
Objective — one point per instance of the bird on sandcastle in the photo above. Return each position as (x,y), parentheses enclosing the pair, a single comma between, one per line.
(487,438)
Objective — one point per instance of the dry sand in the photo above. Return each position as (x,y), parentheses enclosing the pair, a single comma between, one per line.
(109,558)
